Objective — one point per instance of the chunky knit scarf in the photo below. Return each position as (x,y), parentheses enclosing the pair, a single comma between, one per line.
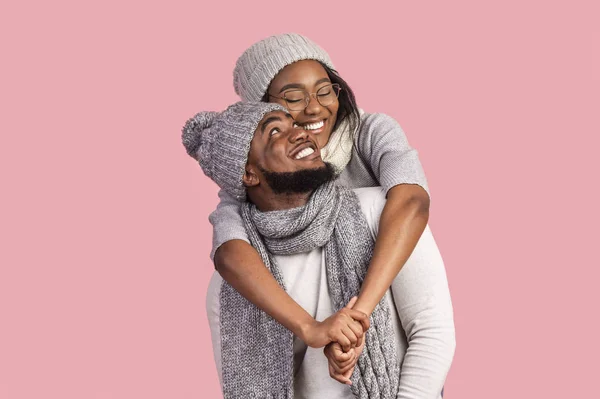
(338,150)
(257,352)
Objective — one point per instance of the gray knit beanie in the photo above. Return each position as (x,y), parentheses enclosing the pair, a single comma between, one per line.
(220,142)
(256,68)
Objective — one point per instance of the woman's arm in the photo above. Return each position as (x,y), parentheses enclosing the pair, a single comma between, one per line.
(396,166)
(402,222)
(242,267)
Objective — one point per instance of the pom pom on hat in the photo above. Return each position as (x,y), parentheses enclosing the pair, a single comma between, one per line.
(220,142)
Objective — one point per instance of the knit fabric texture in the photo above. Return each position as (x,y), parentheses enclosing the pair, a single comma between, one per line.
(257,352)
(258,65)
(381,156)
(338,150)
(220,142)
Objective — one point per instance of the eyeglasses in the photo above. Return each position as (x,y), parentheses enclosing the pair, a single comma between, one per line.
(298,100)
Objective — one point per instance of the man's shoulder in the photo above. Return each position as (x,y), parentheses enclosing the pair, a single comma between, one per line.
(372,200)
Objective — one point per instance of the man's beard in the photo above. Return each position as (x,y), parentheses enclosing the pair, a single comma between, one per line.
(299,182)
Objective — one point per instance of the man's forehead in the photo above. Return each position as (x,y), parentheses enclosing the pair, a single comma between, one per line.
(273,116)
(263,125)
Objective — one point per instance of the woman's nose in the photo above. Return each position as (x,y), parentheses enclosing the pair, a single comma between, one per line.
(313,106)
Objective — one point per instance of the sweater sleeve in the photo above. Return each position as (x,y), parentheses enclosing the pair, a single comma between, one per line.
(424,306)
(383,145)
(227,222)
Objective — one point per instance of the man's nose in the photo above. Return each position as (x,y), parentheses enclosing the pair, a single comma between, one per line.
(297,134)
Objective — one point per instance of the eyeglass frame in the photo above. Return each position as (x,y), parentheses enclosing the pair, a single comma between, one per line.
(309,95)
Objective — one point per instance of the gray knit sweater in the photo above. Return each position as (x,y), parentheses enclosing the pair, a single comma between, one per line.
(381,157)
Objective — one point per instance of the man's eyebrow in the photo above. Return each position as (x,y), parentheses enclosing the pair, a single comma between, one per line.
(272,119)
(299,86)
(267,121)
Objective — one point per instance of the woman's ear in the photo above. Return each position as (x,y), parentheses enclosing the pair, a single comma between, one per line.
(250,177)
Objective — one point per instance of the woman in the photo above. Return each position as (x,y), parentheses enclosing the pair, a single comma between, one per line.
(366,149)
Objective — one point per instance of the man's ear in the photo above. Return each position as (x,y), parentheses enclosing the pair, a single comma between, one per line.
(250,177)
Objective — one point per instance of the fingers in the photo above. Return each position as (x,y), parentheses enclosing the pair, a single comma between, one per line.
(357,329)
(340,361)
(335,350)
(360,341)
(347,331)
(339,377)
(344,367)
(343,340)
(359,316)
(341,358)
(341,364)
(360,345)
(347,327)
(362,318)
(348,374)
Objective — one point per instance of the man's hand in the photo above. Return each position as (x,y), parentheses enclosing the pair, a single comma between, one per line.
(341,364)
(345,327)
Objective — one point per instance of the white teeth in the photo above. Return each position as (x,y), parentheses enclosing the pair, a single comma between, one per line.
(304,153)
(314,126)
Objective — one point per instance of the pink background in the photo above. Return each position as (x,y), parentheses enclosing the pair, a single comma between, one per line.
(103,218)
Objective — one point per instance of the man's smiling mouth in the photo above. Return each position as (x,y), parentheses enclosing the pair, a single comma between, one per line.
(303,150)
(304,153)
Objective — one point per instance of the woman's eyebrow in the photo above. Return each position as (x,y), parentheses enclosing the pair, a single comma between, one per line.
(291,86)
(300,86)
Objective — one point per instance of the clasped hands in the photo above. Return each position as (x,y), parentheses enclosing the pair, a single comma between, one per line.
(342,337)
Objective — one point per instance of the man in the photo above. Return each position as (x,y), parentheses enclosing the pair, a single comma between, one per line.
(316,239)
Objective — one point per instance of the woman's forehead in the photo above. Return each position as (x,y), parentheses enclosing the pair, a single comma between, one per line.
(305,73)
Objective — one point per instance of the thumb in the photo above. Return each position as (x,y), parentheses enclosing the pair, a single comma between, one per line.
(350,304)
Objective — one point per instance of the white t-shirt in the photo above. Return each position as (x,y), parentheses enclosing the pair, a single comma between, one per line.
(423,320)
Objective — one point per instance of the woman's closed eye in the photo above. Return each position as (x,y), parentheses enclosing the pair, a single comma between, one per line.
(294,96)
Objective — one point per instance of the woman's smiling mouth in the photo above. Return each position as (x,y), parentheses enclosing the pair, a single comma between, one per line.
(314,127)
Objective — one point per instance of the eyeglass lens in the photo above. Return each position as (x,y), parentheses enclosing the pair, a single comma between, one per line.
(297,100)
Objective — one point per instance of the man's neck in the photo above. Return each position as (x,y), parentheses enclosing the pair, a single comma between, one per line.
(278,202)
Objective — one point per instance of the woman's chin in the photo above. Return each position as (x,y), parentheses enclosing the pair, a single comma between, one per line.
(322,139)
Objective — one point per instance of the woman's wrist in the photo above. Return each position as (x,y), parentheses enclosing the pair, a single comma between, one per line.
(304,327)
(362,305)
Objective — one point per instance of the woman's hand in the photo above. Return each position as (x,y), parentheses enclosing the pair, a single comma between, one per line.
(345,327)
(341,364)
